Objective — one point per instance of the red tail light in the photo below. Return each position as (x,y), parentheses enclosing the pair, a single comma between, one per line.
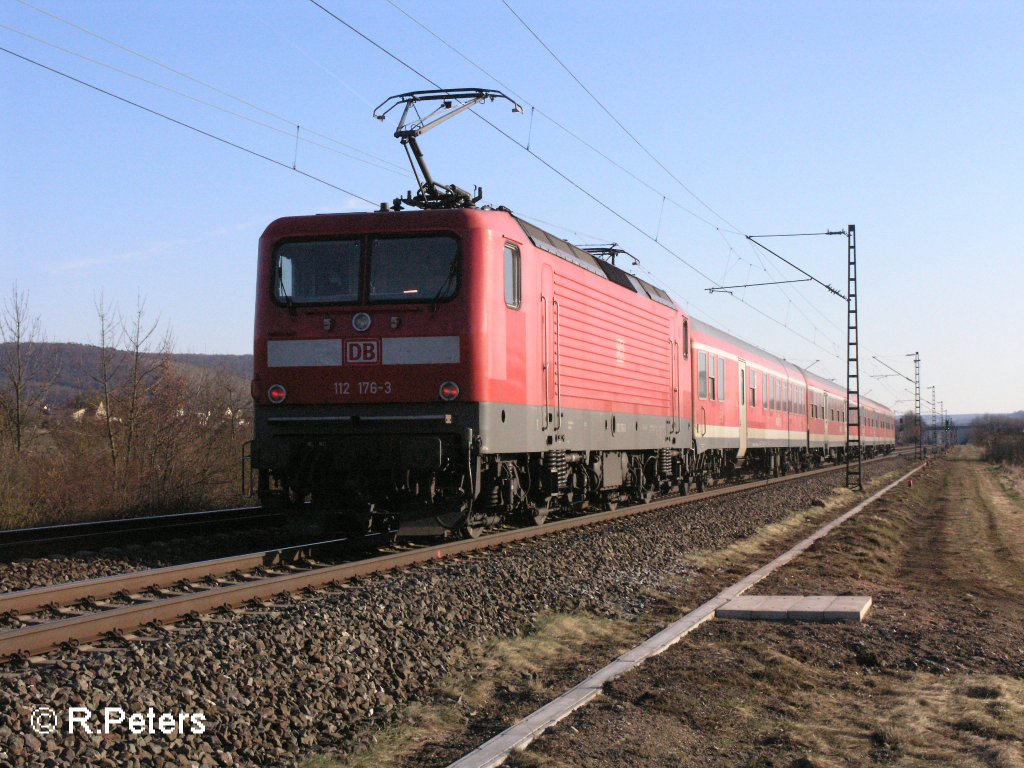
(449,391)
(276,394)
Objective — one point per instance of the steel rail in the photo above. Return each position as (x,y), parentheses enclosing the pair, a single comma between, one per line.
(34,639)
(22,542)
(31,600)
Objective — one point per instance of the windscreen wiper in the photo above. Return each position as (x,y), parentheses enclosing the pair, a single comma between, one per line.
(284,292)
(444,287)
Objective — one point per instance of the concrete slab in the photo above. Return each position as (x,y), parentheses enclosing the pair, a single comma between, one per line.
(775,608)
(851,608)
(811,608)
(740,607)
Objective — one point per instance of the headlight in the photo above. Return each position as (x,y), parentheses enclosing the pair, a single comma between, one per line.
(361,321)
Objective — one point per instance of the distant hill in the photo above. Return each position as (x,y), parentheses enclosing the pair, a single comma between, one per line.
(73,369)
(964,419)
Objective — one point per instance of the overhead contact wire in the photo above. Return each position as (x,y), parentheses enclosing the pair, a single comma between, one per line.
(191,78)
(615,119)
(183,124)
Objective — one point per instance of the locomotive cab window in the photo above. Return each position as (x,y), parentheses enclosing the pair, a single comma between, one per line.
(513,277)
(317,272)
(424,268)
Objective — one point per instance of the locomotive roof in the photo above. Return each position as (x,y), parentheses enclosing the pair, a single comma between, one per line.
(576,255)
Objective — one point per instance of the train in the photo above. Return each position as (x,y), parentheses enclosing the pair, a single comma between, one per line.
(449,370)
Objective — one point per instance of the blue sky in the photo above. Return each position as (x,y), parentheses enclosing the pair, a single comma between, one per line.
(904,119)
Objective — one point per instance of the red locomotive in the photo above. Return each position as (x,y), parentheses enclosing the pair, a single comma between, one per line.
(452,368)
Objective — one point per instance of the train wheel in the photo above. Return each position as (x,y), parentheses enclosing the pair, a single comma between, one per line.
(477,523)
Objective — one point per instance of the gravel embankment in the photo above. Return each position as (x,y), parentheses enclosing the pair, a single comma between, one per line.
(316,673)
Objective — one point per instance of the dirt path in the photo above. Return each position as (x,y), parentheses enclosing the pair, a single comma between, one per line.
(935,676)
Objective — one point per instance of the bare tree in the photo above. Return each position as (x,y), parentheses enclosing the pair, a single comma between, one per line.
(23,382)
(130,366)
(106,378)
(147,365)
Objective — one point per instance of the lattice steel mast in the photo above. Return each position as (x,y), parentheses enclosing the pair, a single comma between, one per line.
(853,444)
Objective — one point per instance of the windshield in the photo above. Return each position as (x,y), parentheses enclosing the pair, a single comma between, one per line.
(317,272)
(422,268)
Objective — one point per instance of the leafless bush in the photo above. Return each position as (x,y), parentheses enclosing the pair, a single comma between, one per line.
(156,437)
(1001,438)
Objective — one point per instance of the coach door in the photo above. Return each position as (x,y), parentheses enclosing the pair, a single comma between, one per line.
(743,409)
(825,416)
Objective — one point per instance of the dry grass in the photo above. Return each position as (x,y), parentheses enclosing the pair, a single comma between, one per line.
(767,538)
(495,675)
(927,721)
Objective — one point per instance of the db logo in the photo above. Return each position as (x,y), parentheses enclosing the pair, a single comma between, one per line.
(362,351)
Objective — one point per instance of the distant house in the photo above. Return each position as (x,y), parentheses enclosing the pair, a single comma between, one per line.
(99,413)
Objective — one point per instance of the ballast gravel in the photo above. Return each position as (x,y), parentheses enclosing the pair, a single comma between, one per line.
(26,573)
(321,672)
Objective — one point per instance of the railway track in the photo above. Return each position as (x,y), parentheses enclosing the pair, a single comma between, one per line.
(80,612)
(34,542)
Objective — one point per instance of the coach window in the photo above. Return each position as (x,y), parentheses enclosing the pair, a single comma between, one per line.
(702,375)
(753,389)
(743,387)
(513,277)
(686,338)
(712,375)
(721,378)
